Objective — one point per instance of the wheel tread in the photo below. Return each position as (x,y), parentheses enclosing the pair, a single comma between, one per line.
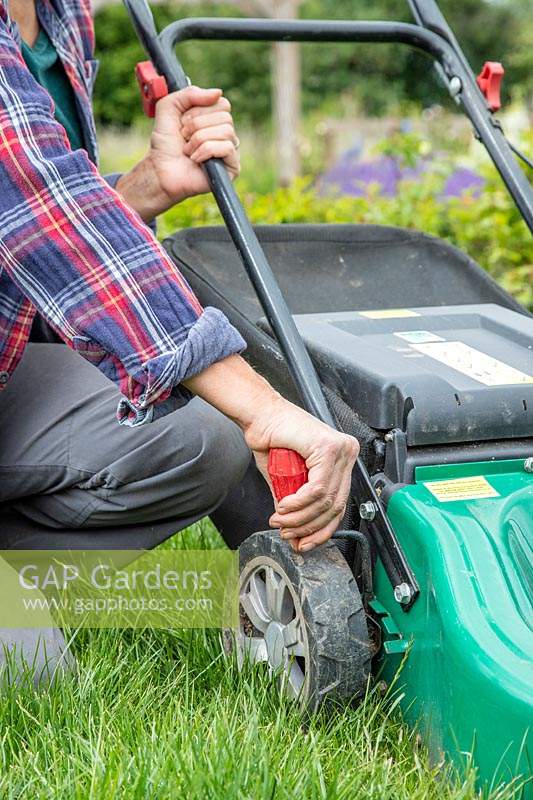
(334,614)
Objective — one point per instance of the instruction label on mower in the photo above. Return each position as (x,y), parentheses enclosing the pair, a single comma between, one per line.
(477,365)
(418,337)
(475,487)
(389,313)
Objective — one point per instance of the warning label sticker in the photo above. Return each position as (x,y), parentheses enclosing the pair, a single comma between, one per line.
(477,365)
(475,487)
(389,313)
(419,337)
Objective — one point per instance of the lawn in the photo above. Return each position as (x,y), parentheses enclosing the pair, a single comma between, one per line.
(160,714)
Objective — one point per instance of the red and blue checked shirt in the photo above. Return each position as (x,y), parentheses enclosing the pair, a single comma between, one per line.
(72,250)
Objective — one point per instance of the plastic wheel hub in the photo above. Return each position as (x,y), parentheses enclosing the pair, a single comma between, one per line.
(275,644)
(269,603)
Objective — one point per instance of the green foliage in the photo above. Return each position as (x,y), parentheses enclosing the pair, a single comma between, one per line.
(375,77)
(241,70)
(489,228)
(408,148)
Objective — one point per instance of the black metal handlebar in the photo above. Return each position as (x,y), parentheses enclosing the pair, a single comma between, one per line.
(445,52)
(160,49)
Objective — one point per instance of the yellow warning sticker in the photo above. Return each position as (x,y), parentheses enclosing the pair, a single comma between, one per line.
(475,487)
(390,313)
(473,363)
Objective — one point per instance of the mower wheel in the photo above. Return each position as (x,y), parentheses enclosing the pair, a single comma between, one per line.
(302,616)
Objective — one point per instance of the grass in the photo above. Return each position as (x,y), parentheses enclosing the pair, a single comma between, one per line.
(160,714)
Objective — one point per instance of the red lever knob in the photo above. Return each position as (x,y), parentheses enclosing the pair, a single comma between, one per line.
(287,472)
(152,85)
(489,81)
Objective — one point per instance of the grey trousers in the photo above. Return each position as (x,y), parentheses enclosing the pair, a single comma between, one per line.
(66,462)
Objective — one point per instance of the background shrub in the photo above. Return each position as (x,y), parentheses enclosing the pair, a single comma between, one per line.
(377,78)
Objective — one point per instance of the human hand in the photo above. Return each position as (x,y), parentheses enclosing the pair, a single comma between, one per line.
(311,515)
(191,126)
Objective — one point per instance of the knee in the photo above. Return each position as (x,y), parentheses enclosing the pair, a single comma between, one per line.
(182,465)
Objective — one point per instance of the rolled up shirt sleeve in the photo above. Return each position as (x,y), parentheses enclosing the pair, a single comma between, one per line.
(88,263)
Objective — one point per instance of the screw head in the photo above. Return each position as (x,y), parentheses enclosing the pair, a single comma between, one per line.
(455,86)
(402,593)
(528,464)
(367,510)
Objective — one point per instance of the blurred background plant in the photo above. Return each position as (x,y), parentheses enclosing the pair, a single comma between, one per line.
(376,78)
(359,115)
(488,228)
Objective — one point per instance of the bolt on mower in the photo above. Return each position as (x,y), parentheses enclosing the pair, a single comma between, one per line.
(403,341)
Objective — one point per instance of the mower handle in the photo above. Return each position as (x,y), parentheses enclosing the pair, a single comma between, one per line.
(439,43)
(160,51)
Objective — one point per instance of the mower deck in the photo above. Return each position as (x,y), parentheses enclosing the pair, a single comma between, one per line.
(461,373)
(326,269)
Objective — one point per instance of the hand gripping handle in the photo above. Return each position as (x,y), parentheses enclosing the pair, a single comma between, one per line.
(287,472)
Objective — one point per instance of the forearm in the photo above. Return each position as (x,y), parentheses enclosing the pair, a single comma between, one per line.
(142,191)
(266,418)
(235,389)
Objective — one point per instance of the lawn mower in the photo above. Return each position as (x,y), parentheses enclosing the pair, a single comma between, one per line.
(405,342)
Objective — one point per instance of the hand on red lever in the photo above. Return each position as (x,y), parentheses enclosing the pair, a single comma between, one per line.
(311,514)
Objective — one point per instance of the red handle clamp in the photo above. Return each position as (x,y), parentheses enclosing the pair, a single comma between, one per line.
(153,86)
(287,472)
(489,81)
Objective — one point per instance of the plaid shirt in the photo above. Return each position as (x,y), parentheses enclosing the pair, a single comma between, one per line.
(71,249)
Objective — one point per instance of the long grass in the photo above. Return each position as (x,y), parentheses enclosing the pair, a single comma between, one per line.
(161,714)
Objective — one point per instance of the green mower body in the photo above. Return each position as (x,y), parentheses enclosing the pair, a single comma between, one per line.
(466,644)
